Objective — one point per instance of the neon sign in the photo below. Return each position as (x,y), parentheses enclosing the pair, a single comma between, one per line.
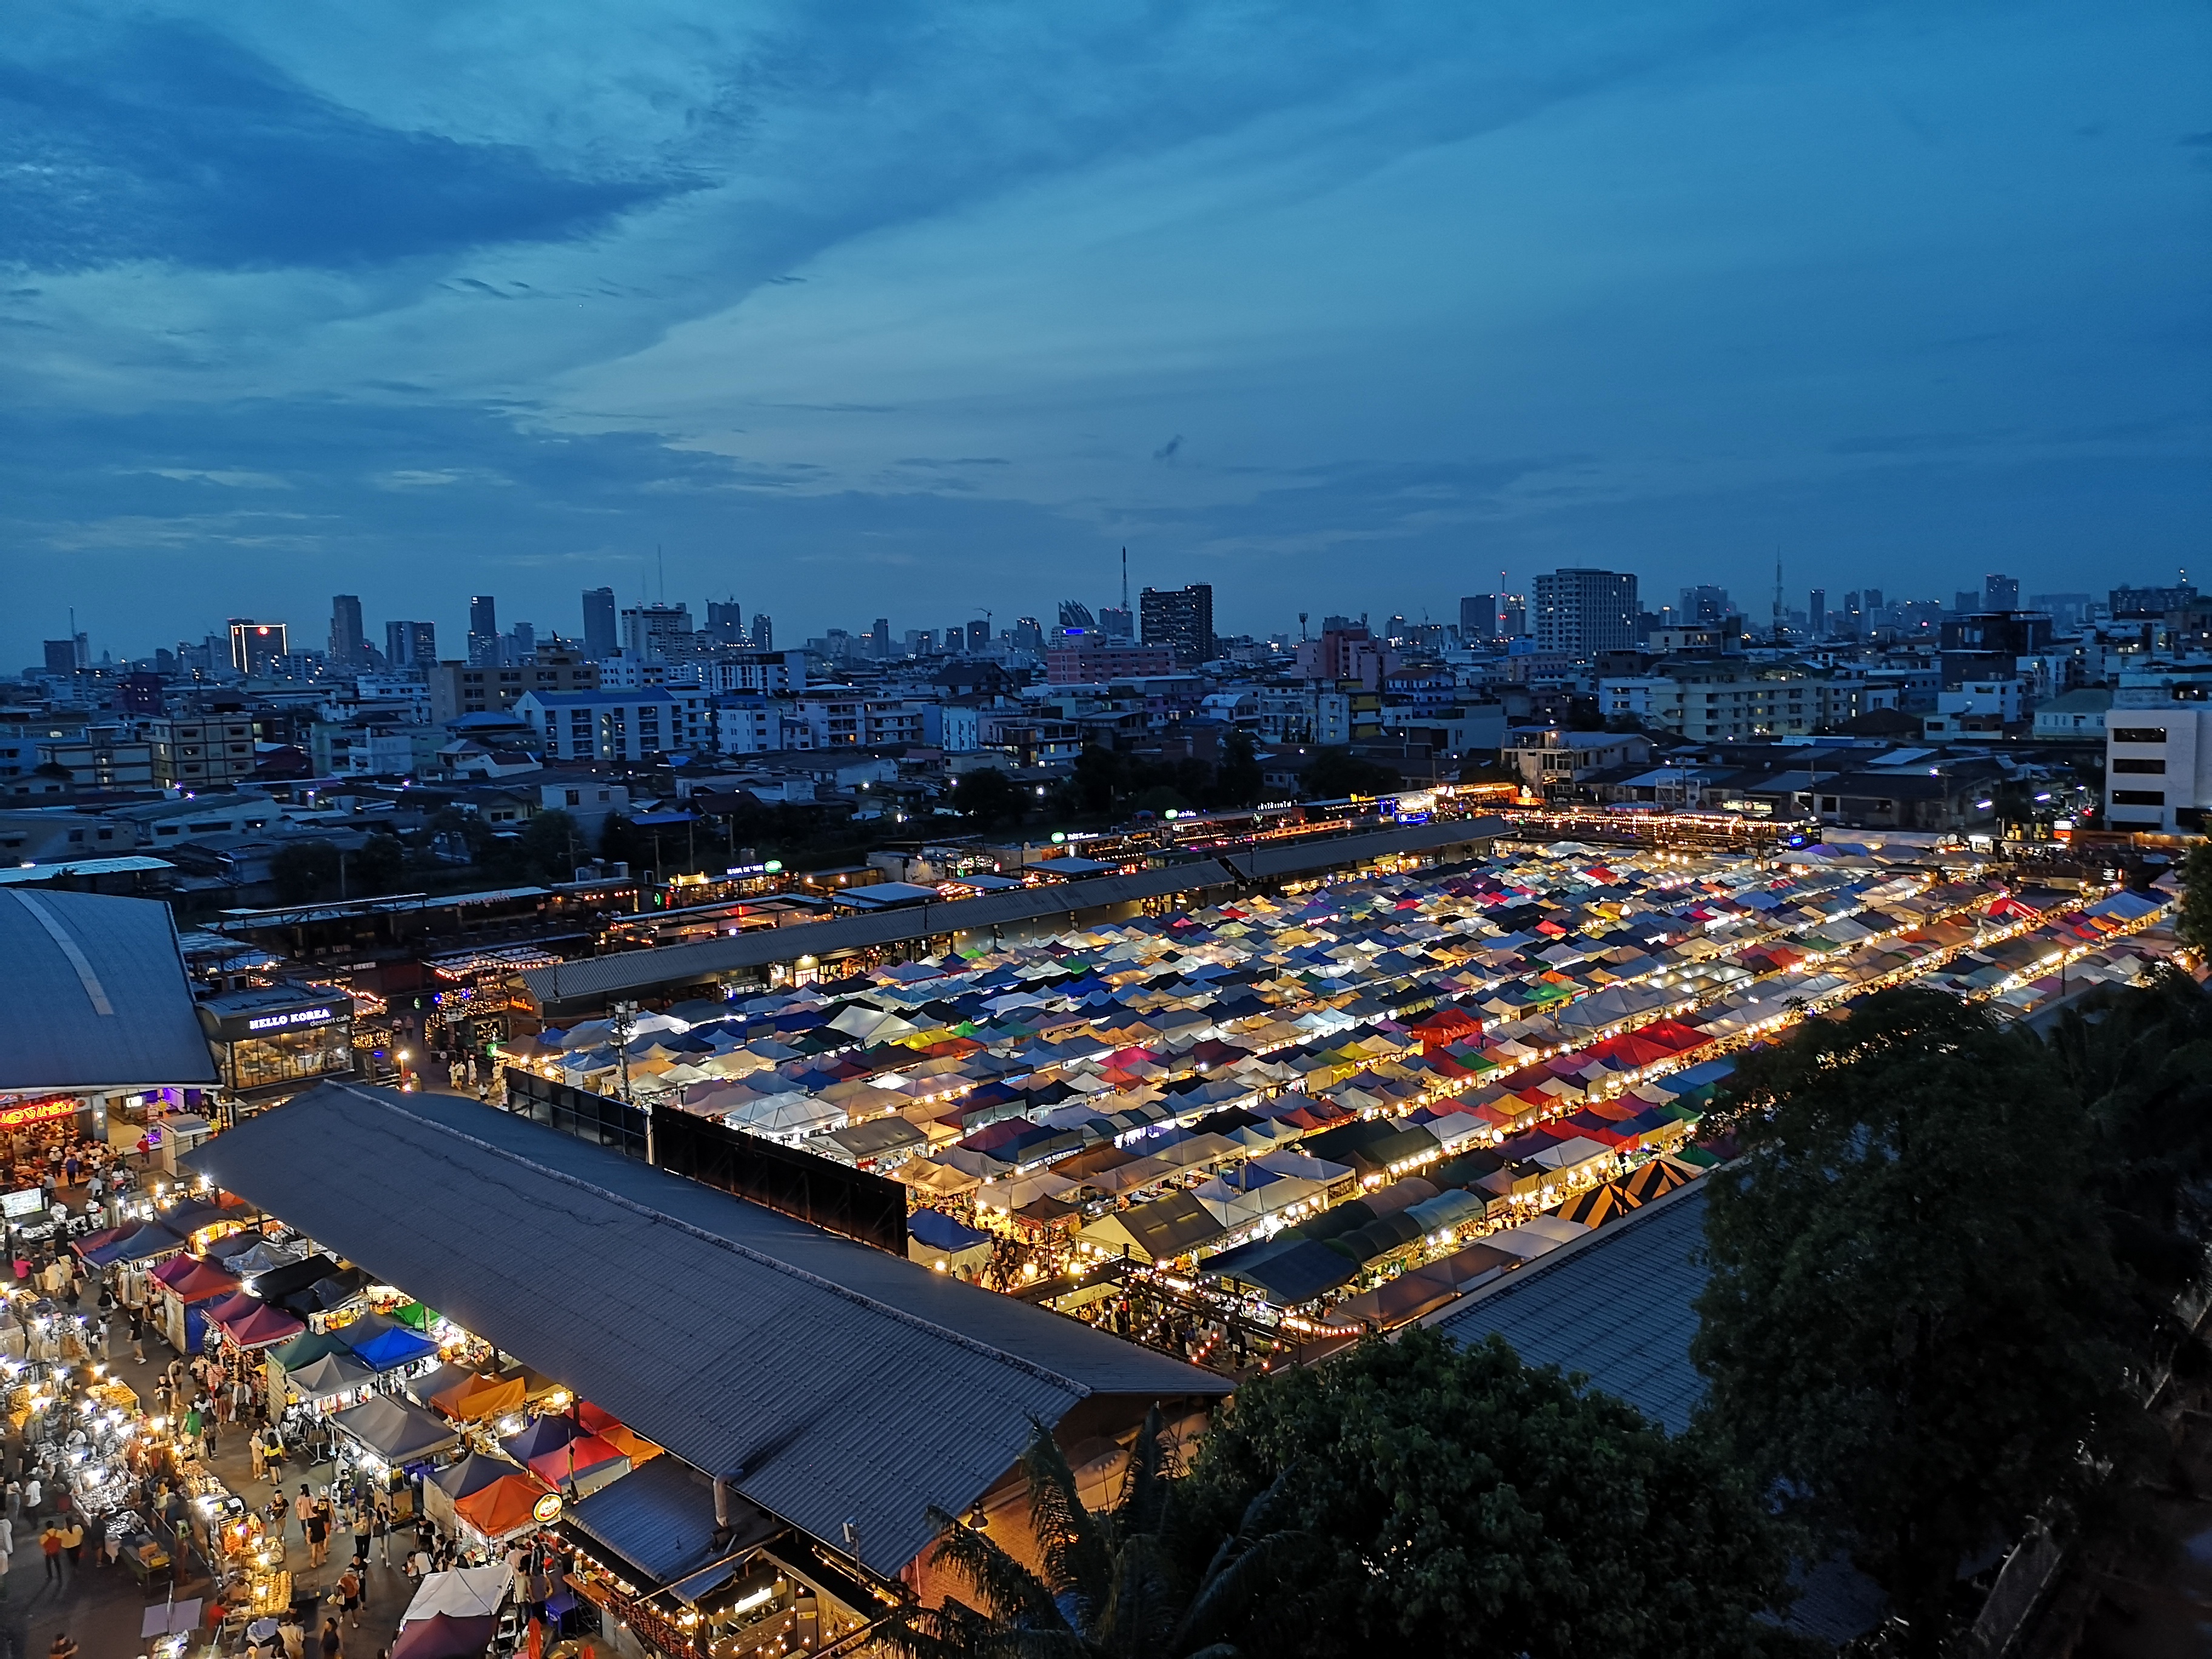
(297,1016)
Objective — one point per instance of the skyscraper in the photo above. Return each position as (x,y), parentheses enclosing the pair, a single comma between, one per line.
(763,631)
(252,644)
(1115,622)
(880,639)
(657,633)
(599,639)
(483,628)
(1816,612)
(1181,619)
(1074,613)
(2000,593)
(411,644)
(1478,618)
(1580,611)
(725,622)
(349,649)
(1512,615)
(1705,604)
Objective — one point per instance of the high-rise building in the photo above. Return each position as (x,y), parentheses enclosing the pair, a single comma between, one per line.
(1478,618)
(1964,603)
(1704,604)
(1816,612)
(252,644)
(1115,622)
(1028,633)
(1180,618)
(657,633)
(411,644)
(1580,611)
(600,640)
(725,622)
(61,656)
(1873,602)
(763,631)
(1074,613)
(483,628)
(979,636)
(349,646)
(2000,593)
(880,639)
(519,643)
(1513,615)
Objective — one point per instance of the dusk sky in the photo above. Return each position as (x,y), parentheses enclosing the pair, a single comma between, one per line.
(907,310)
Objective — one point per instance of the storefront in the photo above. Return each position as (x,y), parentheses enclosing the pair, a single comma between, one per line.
(272,1041)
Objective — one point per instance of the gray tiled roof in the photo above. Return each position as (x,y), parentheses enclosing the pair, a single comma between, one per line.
(93,993)
(1616,1306)
(832,1383)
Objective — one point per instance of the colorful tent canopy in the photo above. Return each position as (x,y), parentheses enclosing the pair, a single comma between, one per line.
(472,1474)
(331,1375)
(478,1397)
(397,1433)
(541,1434)
(199,1281)
(506,1506)
(444,1636)
(305,1349)
(262,1327)
(586,1462)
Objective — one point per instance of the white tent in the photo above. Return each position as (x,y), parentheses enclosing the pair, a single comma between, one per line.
(466,1593)
(1020,1190)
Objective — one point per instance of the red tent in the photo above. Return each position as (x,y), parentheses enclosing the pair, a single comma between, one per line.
(200,1281)
(582,1455)
(262,1326)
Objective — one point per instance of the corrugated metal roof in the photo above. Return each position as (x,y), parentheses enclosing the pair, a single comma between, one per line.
(94,995)
(672,965)
(660,1519)
(1617,1307)
(682,964)
(1298,858)
(832,1381)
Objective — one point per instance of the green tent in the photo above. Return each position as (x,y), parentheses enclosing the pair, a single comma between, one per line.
(305,1349)
(415,1316)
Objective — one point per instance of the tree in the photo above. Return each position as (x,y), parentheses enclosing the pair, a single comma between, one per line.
(2194,925)
(1113,1585)
(987,798)
(1461,1503)
(1334,774)
(1910,1326)
(378,866)
(1237,781)
(550,848)
(303,871)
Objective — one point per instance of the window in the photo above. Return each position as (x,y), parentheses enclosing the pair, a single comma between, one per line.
(2138,797)
(2129,763)
(2140,734)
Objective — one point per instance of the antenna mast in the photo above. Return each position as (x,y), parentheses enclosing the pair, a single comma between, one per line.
(1778,613)
(1125,581)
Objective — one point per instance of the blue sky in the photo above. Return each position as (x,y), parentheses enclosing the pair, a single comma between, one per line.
(910,310)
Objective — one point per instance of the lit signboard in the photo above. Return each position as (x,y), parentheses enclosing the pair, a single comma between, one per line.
(37,1111)
(296,1017)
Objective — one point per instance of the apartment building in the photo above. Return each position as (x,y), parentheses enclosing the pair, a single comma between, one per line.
(618,725)
(459,687)
(195,751)
(1732,701)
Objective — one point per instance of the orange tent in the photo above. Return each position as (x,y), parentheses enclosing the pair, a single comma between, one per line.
(616,1433)
(480,1396)
(508,1505)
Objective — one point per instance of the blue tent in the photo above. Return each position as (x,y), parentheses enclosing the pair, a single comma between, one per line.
(543,1435)
(389,1350)
(151,1240)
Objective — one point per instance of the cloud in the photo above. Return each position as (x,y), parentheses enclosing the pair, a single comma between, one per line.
(164,141)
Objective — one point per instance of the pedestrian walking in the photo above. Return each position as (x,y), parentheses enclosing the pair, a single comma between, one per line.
(318,1536)
(63,1647)
(350,1596)
(138,1334)
(73,1543)
(50,1544)
(333,1644)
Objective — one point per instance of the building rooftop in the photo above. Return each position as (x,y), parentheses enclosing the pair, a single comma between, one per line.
(830,1381)
(94,995)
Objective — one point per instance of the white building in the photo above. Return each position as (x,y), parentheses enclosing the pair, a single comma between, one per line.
(618,725)
(2158,768)
(747,723)
(756,670)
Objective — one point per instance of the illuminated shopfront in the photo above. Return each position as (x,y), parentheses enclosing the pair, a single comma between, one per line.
(274,1039)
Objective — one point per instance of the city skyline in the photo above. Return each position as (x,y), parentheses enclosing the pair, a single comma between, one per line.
(1358,313)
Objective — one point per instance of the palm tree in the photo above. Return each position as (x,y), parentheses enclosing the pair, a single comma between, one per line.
(1108,1585)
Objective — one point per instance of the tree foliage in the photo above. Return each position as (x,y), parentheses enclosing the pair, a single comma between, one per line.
(2193,926)
(1912,1325)
(1107,781)
(1460,1502)
(1334,774)
(303,871)
(1124,1584)
(987,798)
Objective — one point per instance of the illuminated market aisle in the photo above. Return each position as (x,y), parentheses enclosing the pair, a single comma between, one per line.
(102,1608)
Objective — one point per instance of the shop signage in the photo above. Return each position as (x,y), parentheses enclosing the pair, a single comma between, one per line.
(37,1111)
(296,1017)
(547,1508)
